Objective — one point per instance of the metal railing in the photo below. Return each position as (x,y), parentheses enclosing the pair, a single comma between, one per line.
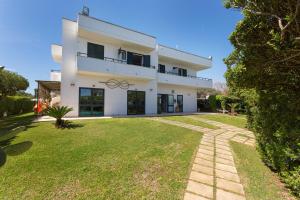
(114,60)
(188,76)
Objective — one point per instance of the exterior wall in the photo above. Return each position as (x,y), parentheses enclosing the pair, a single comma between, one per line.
(189,95)
(55,75)
(184,56)
(69,94)
(115,102)
(91,25)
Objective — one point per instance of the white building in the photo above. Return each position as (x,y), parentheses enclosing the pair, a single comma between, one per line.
(107,69)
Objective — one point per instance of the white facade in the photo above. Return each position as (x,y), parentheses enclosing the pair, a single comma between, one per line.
(79,70)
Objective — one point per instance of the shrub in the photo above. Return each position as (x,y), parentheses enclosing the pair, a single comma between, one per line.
(13,105)
(212,102)
(58,112)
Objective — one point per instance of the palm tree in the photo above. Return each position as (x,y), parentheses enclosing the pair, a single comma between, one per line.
(58,112)
(233,106)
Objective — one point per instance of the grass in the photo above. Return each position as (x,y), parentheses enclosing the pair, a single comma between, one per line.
(238,121)
(15,121)
(131,158)
(191,121)
(258,181)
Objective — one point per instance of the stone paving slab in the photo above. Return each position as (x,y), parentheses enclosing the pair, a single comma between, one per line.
(226,168)
(224,195)
(202,178)
(204,169)
(227,176)
(224,161)
(205,156)
(206,152)
(230,186)
(203,162)
(191,196)
(201,189)
(224,156)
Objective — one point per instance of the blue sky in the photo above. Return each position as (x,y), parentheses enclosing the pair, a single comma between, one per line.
(29,27)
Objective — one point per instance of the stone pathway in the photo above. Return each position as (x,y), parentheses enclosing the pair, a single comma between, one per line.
(214,175)
(230,132)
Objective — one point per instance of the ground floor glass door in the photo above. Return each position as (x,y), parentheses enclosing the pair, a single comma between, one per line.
(135,102)
(91,102)
(179,107)
(170,103)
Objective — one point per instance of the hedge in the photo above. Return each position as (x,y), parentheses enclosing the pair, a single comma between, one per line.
(13,105)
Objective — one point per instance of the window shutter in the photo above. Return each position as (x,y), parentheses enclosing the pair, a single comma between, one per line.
(129,57)
(146,60)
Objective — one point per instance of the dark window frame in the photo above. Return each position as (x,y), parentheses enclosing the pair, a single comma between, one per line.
(136,109)
(95,50)
(91,95)
(180,95)
(160,67)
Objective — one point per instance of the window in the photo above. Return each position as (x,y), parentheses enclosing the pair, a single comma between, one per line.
(138,59)
(161,68)
(91,102)
(95,50)
(135,102)
(123,55)
(182,72)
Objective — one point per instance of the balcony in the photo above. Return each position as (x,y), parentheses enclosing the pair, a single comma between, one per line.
(189,81)
(113,67)
(95,29)
(175,56)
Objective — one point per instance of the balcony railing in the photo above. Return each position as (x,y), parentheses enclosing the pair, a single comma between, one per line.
(111,60)
(189,76)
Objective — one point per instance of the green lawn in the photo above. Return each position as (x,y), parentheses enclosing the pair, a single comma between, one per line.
(15,121)
(131,158)
(258,181)
(238,121)
(187,120)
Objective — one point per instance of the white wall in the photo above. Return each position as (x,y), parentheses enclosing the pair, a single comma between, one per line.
(102,28)
(69,96)
(55,76)
(115,100)
(189,95)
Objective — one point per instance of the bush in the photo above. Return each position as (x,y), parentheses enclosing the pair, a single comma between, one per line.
(13,105)
(58,112)
(275,120)
(212,102)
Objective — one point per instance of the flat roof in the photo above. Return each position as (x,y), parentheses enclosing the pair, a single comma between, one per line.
(183,51)
(118,25)
(50,85)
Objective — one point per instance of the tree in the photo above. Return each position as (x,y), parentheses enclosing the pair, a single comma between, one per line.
(264,70)
(11,82)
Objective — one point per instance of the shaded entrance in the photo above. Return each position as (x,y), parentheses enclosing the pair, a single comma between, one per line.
(165,103)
